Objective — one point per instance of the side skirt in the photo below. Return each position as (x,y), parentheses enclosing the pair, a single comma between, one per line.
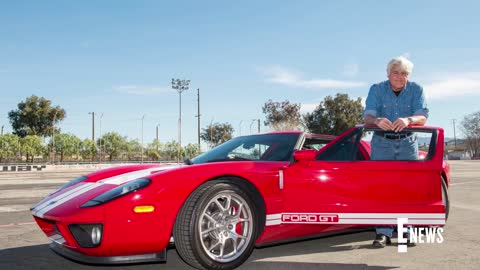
(310,237)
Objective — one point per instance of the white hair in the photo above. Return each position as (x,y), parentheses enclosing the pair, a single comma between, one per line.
(402,62)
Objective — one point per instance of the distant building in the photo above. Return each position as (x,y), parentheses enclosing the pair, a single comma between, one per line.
(457,150)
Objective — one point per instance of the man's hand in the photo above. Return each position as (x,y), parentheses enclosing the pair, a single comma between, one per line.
(384,123)
(400,124)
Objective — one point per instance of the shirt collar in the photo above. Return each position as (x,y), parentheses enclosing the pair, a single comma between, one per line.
(390,85)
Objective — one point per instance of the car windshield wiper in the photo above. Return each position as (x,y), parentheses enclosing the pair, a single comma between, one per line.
(188,161)
(230,159)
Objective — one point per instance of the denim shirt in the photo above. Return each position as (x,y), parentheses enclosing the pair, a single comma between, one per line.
(382,102)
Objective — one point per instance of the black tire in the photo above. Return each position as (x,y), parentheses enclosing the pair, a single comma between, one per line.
(217,226)
(445,198)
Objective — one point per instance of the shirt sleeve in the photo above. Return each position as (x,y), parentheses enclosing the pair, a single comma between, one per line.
(420,103)
(371,102)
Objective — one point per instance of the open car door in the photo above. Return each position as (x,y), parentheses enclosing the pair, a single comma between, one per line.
(340,186)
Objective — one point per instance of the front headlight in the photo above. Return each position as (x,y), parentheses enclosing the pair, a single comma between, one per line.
(118,192)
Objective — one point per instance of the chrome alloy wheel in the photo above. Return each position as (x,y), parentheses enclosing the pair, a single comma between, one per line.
(225,226)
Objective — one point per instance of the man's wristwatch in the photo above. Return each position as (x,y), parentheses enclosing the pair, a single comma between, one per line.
(410,120)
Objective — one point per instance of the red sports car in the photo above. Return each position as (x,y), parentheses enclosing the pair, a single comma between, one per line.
(250,191)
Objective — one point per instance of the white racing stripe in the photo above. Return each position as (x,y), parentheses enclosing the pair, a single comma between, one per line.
(274,219)
(126,177)
(57,238)
(82,188)
(355,218)
(55,202)
(61,196)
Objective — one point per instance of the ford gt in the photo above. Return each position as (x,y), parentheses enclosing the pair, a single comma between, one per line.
(251,191)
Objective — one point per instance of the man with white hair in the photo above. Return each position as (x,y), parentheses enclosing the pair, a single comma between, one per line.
(393,105)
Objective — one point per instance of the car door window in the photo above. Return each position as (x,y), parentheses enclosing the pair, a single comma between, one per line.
(346,149)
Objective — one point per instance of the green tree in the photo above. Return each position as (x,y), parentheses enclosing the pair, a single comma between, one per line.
(471,129)
(9,147)
(35,116)
(67,145)
(134,150)
(191,150)
(172,151)
(31,146)
(282,115)
(88,149)
(153,150)
(333,116)
(216,133)
(114,145)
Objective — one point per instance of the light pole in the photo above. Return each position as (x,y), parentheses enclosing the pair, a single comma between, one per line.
(211,132)
(53,137)
(1,146)
(142,136)
(93,126)
(198,119)
(253,121)
(240,128)
(100,137)
(93,133)
(158,141)
(454,136)
(180,86)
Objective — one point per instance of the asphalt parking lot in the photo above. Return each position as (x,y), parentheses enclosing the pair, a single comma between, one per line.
(24,246)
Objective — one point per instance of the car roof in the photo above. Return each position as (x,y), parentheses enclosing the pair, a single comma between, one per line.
(307,135)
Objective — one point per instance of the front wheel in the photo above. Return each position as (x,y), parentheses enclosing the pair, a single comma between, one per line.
(217,226)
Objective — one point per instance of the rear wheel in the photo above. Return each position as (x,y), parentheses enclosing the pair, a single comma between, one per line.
(445,199)
(217,226)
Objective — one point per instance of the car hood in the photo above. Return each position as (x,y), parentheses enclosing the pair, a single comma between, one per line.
(95,184)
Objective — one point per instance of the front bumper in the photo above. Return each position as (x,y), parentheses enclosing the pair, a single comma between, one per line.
(76,256)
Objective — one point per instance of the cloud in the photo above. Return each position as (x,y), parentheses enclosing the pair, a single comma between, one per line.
(452,85)
(281,75)
(142,90)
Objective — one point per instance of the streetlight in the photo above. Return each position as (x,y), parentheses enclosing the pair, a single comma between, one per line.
(93,133)
(53,136)
(180,86)
(142,136)
(93,126)
(240,128)
(1,146)
(198,119)
(454,136)
(158,141)
(253,121)
(100,138)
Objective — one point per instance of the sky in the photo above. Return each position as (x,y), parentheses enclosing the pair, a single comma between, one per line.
(117,58)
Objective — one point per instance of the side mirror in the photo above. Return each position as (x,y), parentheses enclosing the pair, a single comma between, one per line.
(306,155)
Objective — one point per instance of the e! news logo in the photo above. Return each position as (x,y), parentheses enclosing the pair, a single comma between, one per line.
(420,235)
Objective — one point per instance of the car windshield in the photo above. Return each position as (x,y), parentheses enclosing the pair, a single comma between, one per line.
(263,147)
